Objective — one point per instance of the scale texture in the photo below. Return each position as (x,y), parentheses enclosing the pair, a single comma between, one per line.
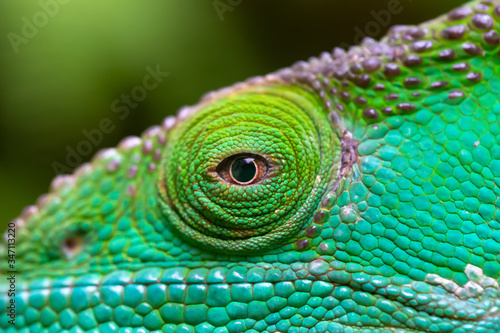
(375,205)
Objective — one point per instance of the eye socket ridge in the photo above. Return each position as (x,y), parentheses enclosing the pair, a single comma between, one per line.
(243,169)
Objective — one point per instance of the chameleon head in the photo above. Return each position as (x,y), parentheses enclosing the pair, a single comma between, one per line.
(357,192)
(246,172)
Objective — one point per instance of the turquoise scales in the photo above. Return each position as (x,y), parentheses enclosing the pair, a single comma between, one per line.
(369,202)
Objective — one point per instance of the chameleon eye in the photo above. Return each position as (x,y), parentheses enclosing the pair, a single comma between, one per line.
(248,170)
(243,169)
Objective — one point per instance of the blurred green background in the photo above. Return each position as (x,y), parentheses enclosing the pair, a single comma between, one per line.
(63,63)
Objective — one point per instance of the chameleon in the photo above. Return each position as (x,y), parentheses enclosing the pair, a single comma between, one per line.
(358,191)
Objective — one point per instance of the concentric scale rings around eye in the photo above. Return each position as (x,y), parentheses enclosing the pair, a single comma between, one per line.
(246,171)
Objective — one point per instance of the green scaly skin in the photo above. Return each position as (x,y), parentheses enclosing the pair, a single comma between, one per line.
(379,211)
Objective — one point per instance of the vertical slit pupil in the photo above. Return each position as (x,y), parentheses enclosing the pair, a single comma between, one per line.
(244,169)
